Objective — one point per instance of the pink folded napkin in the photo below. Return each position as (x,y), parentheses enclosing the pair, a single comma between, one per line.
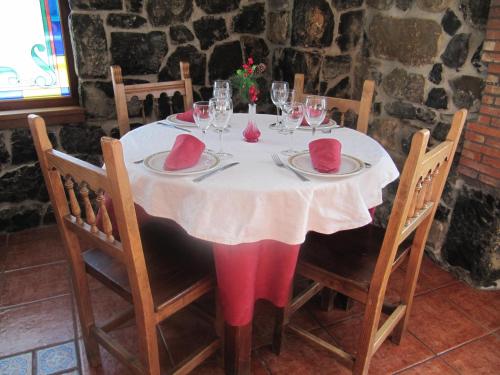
(305,123)
(325,154)
(186,152)
(186,116)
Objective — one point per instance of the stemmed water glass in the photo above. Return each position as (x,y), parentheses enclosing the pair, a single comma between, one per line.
(279,95)
(221,110)
(222,89)
(315,111)
(201,115)
(293,114)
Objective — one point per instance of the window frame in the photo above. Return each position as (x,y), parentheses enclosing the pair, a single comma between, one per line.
(72,99)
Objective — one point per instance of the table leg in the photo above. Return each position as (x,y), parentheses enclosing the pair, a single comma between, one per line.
(237,349)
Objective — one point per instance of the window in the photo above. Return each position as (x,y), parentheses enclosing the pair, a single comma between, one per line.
(36,63)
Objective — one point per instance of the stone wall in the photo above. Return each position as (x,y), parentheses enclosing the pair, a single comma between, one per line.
(425,56)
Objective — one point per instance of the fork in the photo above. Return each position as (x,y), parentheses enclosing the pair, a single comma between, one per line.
(279,163)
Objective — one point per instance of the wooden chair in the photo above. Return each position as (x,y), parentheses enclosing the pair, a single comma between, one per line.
(147,268)
(359,262)
(360,107)
(125,93)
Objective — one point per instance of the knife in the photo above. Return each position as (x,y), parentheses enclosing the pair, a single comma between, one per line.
(203,176)
(174,126)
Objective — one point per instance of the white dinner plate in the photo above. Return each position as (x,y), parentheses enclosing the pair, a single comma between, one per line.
(207,162)
(330,125)
(349,166)
(172,119)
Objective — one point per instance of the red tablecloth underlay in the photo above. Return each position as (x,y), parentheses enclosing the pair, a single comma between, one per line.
(245,272)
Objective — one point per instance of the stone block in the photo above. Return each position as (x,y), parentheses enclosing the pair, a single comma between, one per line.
(89,45)
(197,65)
(218,6)
(393,134)
(209,30)
(19,218)
(180,34)
(475,12)
(456,51)
(225,59)
(288,61)
(23,183)
(134,5)
(437,98)
(350,30)
(250,20)
(312,23)
(97,98)
(476,60)
(434,6)
(401,110)
(472,240)
(138,53)
(23,148)
(450,22)
(435,75)
(341,90)
(412,41)
(125,21)
(346,4)
(277,27)
(81,139)
(4,154)
(335,66)
(467,91)
(402,85)
(440,131)
(166,12)
(255,47)
(404,5)
(380,4)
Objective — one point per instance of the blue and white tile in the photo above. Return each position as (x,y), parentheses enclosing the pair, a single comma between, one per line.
(56,359)
(19,365)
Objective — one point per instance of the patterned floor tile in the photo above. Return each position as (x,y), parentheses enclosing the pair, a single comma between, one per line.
(19,365)
(56,358)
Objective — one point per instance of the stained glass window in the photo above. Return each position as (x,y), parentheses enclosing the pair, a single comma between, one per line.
(32,60)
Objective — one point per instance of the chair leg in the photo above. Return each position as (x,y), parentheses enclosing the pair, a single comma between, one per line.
(219,326)
(343,302)
(280,323)
(148,346)
(327,299)
(409,286)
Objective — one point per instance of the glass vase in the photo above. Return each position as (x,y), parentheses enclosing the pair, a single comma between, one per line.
(251,132)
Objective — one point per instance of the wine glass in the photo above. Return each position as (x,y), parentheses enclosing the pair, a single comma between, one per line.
(293,114)
(222,89)
(221,110)
(279,95)
(315,111)
(201,115)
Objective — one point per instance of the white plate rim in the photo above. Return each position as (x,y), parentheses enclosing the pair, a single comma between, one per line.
(328,175)
(174,120)
(332,124)
(179,172)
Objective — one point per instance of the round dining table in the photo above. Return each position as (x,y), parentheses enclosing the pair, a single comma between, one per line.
(256,213)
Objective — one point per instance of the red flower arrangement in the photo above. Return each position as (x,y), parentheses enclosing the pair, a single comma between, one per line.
(245,80)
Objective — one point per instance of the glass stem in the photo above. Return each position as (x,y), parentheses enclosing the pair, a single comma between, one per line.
(221,150)
(277,115)
(313,132)
(291,140)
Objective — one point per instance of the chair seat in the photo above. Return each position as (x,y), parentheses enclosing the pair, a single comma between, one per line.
(175,263)
(350,254)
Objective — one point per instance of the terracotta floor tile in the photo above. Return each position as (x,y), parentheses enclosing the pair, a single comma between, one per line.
(435,366)
(432,276)
(483,306)
(34,253)
(32,284)
(476,358)
(327,318)
(390,357)
(34,325)
(440,324)
(212,367)
(49,231)
(301,357)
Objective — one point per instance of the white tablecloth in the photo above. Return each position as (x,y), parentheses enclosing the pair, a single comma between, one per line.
(256,200)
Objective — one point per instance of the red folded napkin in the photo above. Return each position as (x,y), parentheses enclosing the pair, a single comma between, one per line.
(325,154)
(305,123)
(186,152)
(186,116)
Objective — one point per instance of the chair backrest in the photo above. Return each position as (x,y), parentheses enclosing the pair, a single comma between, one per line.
(125,93)
(76,218)
(421,185)
(361,108)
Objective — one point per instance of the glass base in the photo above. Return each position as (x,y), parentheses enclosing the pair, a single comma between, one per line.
(224,155)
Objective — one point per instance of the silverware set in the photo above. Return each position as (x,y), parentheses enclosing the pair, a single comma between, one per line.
(279,163)
(169,125)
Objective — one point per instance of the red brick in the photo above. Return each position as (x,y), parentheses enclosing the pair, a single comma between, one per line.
(489,180)
(494,12)
(497,100)
(490,141)
(471,155)
(491,56)
(493,34)
(489,99)
(488,110)
(482,148)
(483,119)
(474,137)
(494,68)
(482,168)
(490,89)
(493,24)
(493,162)
(467,171)
(484,129)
